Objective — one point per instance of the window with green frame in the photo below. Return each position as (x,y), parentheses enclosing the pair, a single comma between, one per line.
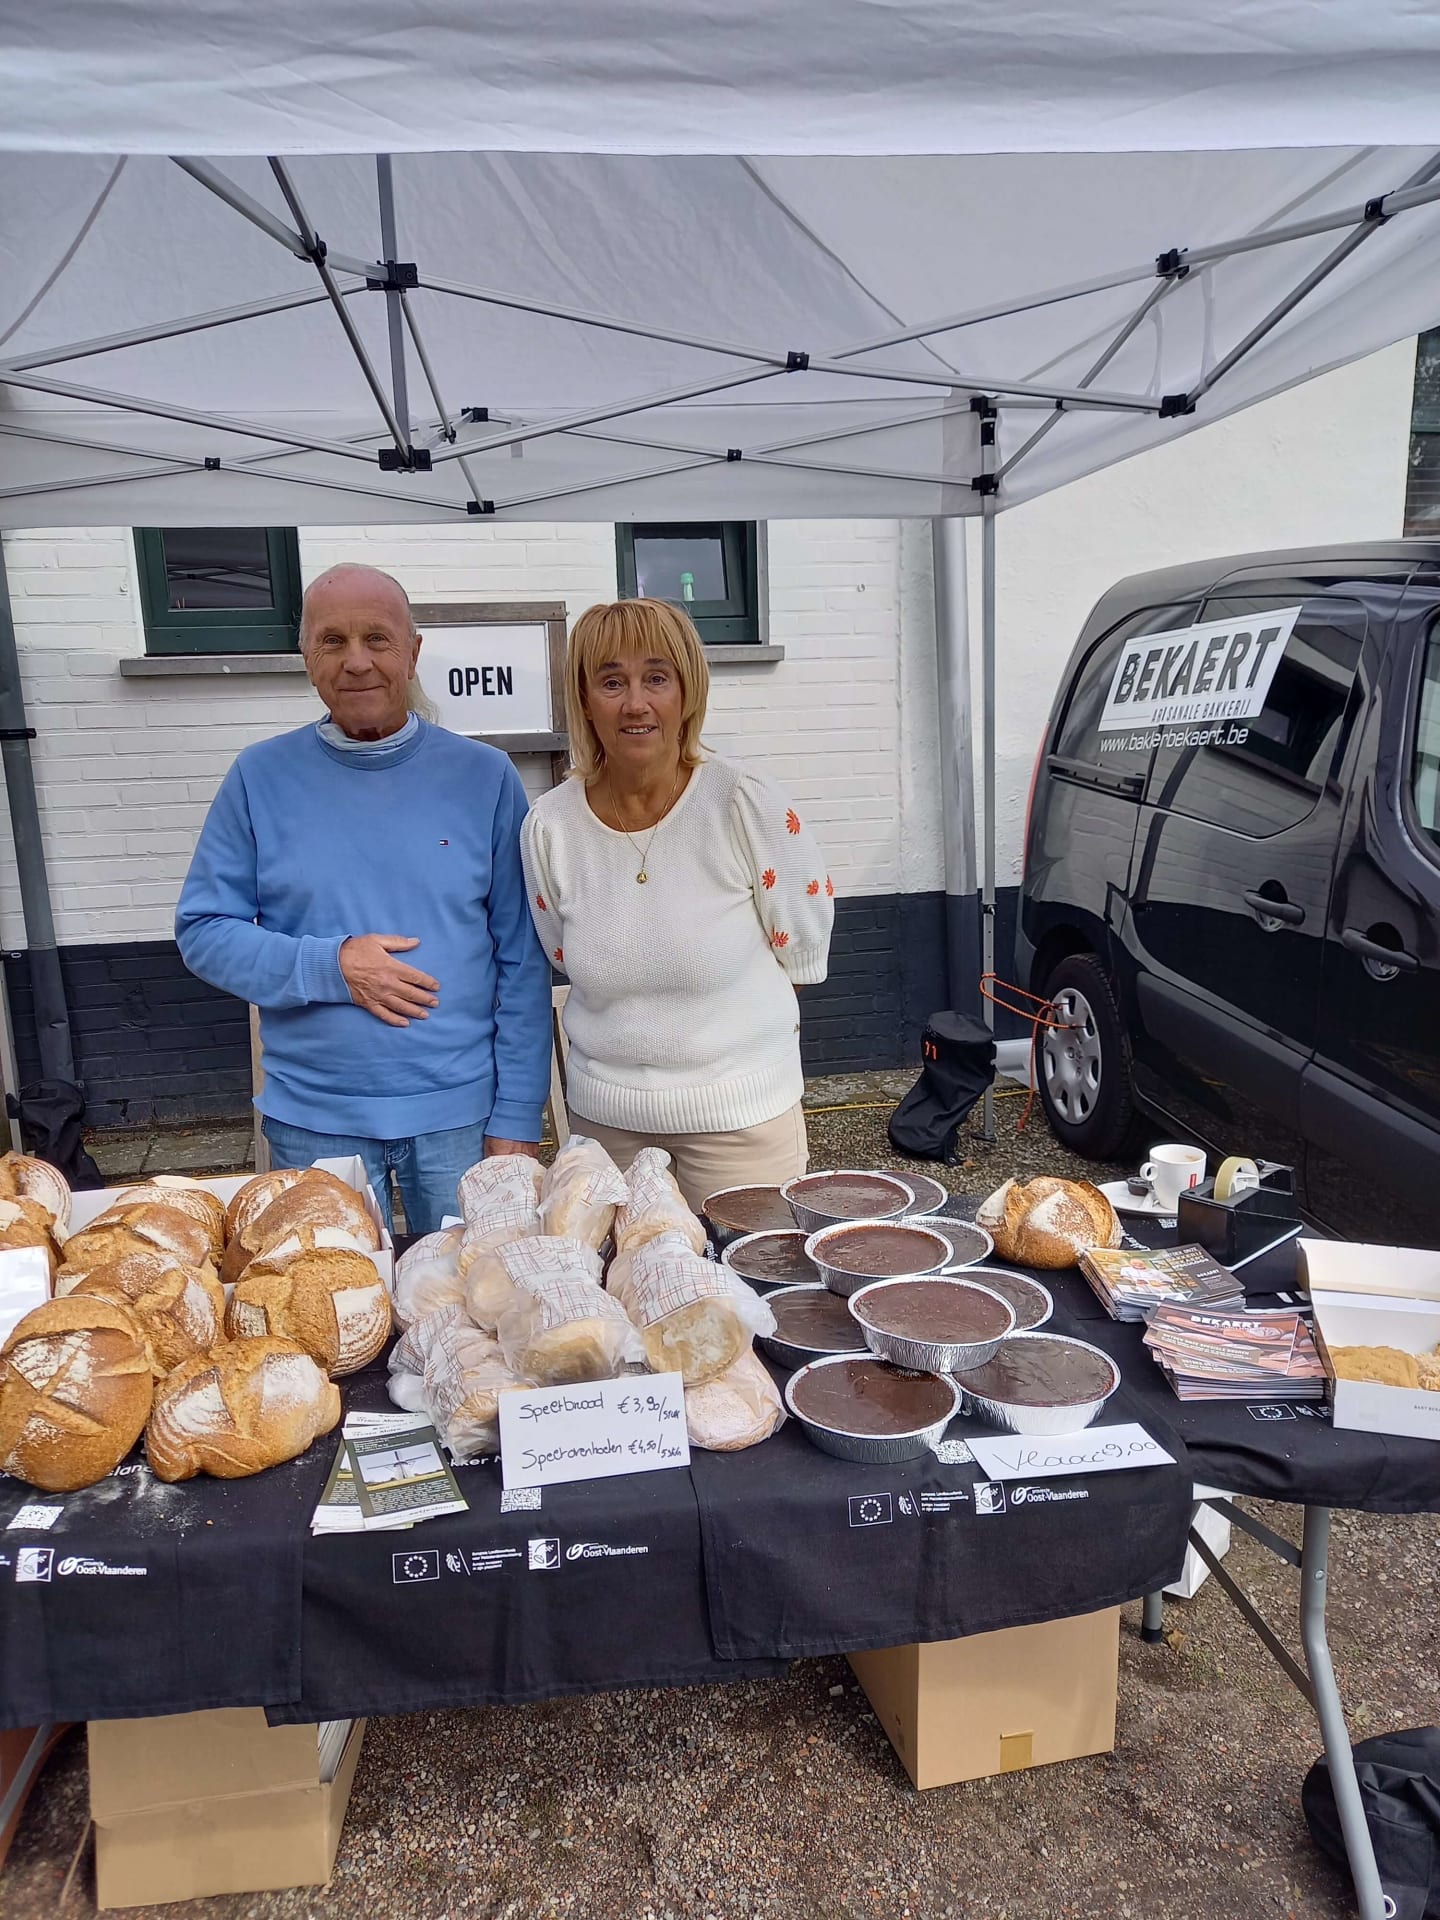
(711,568)
(219,589)
(1422,492)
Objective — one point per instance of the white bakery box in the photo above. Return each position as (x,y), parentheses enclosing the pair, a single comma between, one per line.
(1366,1296)
(87,1206)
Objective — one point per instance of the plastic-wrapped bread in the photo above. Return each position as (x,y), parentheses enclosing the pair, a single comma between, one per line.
(463,1372)
(567,1332)
(23,1177)
(185,1196)
(695,1317)
(25,1223)
(654,1205)
(1048,1222)
(318,1199)
(505,1179)
(427,1276)
(502,1222)
(329,1300)
(181,1309)
(529,1266)
(248,1405)
(131,1229)
(581,1191)
(76,1385)
(738,1408)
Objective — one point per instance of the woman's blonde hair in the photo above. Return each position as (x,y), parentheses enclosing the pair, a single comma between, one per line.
(624,629)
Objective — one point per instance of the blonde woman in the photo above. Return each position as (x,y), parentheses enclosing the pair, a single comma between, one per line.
(685,902)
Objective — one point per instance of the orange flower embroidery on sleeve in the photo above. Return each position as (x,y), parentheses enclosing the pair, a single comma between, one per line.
(829,886)
(814,887)
(792,821)
(560,956)
(767,879)
(778,939)
(540,903)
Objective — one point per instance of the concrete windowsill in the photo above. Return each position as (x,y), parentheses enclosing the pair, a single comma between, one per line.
(165,666)
(744,656)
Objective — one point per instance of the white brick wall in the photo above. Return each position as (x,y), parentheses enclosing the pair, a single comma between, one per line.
(126,768)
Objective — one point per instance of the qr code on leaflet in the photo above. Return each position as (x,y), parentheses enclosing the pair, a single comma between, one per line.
(520,1500)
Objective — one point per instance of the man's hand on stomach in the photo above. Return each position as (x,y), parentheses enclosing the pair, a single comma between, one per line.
(383,985)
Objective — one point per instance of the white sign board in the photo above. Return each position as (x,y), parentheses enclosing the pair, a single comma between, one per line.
(1094,1450)
(593,1431)
(1202,674)
(488,679)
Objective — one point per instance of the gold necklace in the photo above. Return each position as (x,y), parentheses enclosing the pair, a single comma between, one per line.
(643,856)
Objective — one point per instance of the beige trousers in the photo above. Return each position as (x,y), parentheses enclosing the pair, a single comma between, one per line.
(762,1156)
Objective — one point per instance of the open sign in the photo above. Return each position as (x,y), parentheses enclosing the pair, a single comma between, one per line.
(488,679)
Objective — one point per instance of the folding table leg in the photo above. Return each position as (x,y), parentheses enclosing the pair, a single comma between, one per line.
(1152,1620)
(1314,1569)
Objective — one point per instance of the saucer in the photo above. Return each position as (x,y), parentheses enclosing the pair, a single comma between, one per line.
(1146,1206)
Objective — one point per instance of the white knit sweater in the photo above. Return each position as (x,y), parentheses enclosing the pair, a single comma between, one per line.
(682,1016)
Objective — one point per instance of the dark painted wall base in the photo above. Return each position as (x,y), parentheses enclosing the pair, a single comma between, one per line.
(152,1043)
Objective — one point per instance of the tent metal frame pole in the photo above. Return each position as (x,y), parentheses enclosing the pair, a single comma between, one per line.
(599,486)
(315,252)
(1370,224)
(188,416)
(447,425)
(395,319)
(165,330)
(998,390)
(250,209)
(988,502)
(1400,200)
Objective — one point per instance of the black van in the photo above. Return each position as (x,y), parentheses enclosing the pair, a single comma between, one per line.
(1232,875)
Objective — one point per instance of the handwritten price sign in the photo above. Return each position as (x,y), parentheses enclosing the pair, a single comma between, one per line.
(550,1435)
(1095,1450)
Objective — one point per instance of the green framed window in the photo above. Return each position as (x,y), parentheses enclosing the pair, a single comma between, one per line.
(219,589)
(711,568)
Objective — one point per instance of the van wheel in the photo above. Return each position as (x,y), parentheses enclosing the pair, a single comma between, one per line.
(1084,1066)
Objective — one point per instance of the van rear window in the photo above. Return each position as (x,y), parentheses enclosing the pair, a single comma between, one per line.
(1425,761)
(1080,737)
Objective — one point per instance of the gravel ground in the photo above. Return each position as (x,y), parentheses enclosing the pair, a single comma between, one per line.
(773,1799)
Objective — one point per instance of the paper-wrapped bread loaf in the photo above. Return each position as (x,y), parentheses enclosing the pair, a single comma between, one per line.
(181,1309)
(427,1277)
(505,1179)
(25,1223)
(318,1199)
(738,1408)
(654,1205)
(528,1266)
(329,1300)
(185,1196)
(248,1405)
(581,1190)
(463,1373)
(1048,1222)
(131,1229)
(23,1177)
(76,1386)
(567,1332)
(695,1317)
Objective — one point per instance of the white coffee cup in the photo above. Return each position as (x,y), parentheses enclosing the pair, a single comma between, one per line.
(1171,1171)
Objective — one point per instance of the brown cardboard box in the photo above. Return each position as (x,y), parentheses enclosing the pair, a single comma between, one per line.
(997,1702)
(193,1804)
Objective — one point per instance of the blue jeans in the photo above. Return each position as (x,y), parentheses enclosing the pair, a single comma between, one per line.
(427,1167)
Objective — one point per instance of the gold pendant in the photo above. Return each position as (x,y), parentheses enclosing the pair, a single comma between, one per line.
(641,877)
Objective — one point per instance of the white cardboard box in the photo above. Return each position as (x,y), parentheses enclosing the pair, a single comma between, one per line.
(1366,1296)
(350,1168)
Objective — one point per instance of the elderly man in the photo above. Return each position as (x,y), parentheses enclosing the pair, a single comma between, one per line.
(359,880)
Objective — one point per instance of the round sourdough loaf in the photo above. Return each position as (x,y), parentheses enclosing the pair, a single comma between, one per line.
(76,1386)
(147,1223)
(329,1299)
(248,1405)
(181,1309)
(22,1177)
(184,1196)
(1048,1222)
(316,1200)
(253,1198)
(23,1223)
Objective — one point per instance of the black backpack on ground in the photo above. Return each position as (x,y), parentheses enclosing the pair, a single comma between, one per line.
(1399,1776)
(958,1056)
(50,1113)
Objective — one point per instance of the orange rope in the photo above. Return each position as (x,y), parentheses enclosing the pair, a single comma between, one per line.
(1043,1016)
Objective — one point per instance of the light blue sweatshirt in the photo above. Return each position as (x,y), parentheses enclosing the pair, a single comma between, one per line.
(306,845)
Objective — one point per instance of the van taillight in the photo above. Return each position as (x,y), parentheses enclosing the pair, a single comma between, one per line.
(1030,797)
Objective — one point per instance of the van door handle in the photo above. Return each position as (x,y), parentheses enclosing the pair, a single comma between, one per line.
(1395,959)
(1283,910)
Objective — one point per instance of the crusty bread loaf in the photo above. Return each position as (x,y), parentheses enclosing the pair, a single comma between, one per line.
(330,1300)
(181,1309)
(23,1223)
(149,1222)
(655,1205)
(1048,1222)
(23,1177)
(737,1409)
(248,1405)
(317,1200)
(685,1307)
(253,1198)
(75,1391)
(184,1196)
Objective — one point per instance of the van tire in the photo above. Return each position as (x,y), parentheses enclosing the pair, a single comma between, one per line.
(1084,1077)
